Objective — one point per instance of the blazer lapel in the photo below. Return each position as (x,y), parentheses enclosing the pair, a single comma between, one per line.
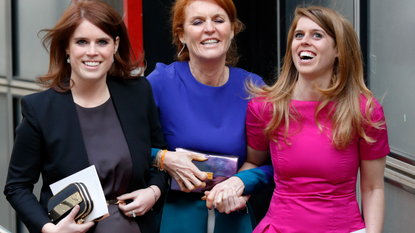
(73,133)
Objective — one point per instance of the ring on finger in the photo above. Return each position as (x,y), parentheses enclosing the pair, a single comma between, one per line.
(132,211)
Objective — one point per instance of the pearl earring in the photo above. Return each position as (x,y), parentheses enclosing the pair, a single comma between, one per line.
(67,59)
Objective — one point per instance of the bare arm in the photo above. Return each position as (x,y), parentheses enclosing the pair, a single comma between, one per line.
(373,193)
(254,158)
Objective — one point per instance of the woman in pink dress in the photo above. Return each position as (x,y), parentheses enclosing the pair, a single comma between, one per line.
(319,123)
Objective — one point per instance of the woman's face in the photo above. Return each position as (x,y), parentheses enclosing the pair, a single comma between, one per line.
(207,31)
(313,50)
(91,52)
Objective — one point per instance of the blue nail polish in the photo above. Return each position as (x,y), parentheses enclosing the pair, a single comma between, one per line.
(214,207)
(207,156)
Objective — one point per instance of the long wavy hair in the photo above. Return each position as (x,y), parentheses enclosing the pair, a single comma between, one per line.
(57,39)
(178,17)
(345,89)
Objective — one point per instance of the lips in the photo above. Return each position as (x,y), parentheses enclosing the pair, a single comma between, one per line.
(92,63)
(307,55)
(209,41)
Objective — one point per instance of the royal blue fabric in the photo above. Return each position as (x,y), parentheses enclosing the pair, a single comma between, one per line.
(200,117)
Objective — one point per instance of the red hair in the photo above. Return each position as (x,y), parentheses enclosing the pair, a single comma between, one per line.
(104,17)
(178,16)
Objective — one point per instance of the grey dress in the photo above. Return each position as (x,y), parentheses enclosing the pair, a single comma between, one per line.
(107,149)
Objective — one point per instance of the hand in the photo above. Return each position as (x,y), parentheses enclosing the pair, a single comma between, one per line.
(143,201)
(226,196)
(228,201)
(67,224)
(179,165)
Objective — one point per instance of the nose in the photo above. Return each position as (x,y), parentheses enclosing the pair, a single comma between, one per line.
(306,40)
(209,28)
(91,50)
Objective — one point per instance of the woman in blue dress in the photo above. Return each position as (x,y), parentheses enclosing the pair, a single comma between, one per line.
(202,104)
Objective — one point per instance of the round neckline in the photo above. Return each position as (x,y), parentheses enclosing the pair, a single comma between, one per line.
(305,101)
(202,84)
(96,107)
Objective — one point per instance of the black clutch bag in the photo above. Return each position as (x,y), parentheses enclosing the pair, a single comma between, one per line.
(62,203)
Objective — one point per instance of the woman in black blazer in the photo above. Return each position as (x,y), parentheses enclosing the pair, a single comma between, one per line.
(94,112)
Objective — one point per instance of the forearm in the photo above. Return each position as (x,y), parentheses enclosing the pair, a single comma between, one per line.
(158,179)
(247,166)
(29,210)
(374,209)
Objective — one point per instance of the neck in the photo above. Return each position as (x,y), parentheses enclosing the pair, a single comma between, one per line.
(306,88)
(210,73)
(89,95)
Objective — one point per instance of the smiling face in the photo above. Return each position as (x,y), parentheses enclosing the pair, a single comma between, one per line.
(91,53)
(313,50)
(207,31)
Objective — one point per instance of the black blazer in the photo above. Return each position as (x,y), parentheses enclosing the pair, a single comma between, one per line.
(49,142)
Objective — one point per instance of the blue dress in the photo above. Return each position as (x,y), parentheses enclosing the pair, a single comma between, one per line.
(201,117)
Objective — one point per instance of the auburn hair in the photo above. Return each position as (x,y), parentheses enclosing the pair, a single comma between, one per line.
(178,17)
(109,21)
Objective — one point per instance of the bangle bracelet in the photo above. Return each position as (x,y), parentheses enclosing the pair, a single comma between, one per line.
(158,157)
(162,159)
(155,195)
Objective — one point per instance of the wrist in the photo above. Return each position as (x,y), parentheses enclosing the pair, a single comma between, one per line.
(238,185)
(159,161)
(156,192)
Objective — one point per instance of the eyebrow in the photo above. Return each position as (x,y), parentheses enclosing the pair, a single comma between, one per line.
(200,16)
(312,30)
(86,38)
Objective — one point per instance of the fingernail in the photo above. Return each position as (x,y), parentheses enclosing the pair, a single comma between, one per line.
(214,207)
(207,156)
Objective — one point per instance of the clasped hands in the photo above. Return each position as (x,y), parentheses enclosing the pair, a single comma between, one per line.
(226,196)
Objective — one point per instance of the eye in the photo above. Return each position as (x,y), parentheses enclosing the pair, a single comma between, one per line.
(81,42)
(102,42)
(219,20)
(196,22)
(317,35)
(298,35)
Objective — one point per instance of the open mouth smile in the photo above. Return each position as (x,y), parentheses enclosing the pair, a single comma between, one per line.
(307,56)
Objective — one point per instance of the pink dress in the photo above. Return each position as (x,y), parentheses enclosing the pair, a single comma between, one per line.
(314,183)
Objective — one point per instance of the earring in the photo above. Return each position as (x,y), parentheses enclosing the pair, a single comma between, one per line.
(68,60)
(184,45)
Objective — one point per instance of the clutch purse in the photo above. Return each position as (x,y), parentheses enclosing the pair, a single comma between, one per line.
(62,203)
(218,167)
